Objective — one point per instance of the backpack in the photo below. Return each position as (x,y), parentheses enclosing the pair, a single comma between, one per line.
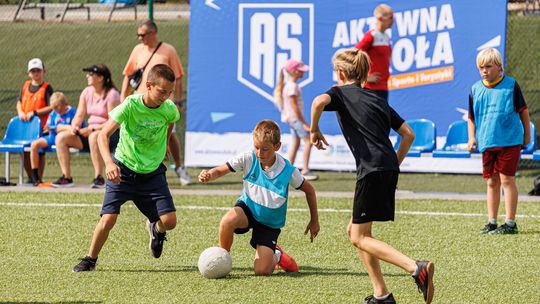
(536,190)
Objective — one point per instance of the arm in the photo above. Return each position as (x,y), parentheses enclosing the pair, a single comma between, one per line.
(296,110)
(313,225)
(407,138)
(317,138)
(214,173)
(526,121)
(124,92)
(20,113)
(111,169)
(471,129)
(79,117)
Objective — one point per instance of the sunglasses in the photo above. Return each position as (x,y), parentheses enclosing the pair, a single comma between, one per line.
(143,34)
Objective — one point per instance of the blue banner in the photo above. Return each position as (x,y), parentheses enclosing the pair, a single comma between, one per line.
(237,48)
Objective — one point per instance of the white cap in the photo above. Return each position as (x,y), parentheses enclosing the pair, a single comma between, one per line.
(35,63)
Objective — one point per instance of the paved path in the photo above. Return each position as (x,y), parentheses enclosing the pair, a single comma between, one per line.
(400,194)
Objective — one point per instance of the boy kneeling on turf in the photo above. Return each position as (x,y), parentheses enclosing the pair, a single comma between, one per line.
(137,173)
(263,204)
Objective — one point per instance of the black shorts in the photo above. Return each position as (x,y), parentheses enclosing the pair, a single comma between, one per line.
(85,144)
(374,197)
(262,234)
(149,192)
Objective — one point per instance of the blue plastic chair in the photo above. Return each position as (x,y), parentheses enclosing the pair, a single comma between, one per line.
(425,136)
(531,146)
(19,134)
(457,138)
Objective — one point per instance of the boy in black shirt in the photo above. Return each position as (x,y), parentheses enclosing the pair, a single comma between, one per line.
(365,121)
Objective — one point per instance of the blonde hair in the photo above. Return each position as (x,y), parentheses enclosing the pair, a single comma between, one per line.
(58,99)
(278,91)
(489,56)
(267,131)
(382,10)
(354,64)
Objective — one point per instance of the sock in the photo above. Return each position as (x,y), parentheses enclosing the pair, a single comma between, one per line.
(156,229)
(510,223)
(493,221)
(278,255)
(382,298)
(89,258)
(35,174)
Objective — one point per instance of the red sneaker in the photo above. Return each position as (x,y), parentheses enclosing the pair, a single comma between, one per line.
(286,262)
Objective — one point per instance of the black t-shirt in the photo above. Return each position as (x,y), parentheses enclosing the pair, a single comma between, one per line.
(32,88)
(365,120)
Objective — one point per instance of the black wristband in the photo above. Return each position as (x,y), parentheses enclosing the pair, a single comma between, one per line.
(35,113)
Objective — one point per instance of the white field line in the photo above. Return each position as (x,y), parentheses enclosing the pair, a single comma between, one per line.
(326,210)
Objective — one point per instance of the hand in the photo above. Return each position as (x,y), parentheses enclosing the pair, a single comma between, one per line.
(313,229)
(374,78)
(472,145)
(318,140)
(22,116)
(29,116)
(205,176)
(113,173)
(85,132)
(46,129)
(74,130)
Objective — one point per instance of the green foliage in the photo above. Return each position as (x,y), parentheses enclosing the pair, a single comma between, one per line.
(41,244)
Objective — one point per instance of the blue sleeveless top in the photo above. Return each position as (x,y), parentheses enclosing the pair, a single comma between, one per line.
(267,198)
(497,122)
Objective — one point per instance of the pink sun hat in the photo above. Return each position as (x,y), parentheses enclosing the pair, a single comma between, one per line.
(296,65)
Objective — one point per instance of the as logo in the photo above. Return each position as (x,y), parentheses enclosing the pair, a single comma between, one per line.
(268,35)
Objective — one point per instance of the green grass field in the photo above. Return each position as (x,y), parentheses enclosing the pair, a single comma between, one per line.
(41,243)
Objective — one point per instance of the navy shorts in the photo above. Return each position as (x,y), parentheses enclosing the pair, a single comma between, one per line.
(149,192)
(375,197)
(262,234)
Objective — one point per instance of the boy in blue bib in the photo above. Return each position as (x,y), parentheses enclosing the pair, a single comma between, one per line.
(262,206)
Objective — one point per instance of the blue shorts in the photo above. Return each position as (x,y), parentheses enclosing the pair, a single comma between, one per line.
(297,129)
(149,192)
(50,139)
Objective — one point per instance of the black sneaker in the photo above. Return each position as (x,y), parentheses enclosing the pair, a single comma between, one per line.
(505,229)
(156,239)
(36,182)
(86,264)
(487,228)
(98,182)
(423,276)
(63,182)
(371,300)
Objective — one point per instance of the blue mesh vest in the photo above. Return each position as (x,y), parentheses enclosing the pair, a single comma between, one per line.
(267,198)
(497,122)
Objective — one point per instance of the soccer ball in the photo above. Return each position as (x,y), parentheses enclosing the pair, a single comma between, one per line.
(215,263)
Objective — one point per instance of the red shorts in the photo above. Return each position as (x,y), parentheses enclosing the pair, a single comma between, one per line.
(500,160)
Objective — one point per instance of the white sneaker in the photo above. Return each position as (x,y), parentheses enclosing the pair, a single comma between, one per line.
(309,176)
(183,175)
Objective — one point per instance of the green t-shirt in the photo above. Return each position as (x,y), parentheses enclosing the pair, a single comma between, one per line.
(143,133)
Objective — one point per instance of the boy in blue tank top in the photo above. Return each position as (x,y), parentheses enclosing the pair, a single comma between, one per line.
(262,206)
(499,127)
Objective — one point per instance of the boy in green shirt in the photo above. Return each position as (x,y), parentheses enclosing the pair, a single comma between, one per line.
(137,173)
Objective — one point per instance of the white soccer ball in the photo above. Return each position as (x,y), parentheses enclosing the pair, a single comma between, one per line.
(215,263)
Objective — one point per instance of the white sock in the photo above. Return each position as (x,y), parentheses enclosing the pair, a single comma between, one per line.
(510,223)
(277,253)
(382,298)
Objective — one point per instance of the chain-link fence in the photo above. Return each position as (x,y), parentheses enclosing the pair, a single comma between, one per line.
(66,47)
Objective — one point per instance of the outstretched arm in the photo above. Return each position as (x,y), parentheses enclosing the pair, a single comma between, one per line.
(313,225)
(209,175)
(317,107)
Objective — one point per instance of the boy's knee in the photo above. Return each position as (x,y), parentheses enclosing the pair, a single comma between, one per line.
(168,221)
(263,272)
(107,221)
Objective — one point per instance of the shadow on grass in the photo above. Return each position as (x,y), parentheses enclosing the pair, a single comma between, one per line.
(56,302)
(240,272)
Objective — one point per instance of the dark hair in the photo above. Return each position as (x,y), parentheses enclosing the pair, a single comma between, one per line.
(161,71)
(108,83)
(150,24)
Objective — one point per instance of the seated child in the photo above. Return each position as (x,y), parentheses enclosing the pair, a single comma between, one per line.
(263,204)
(58,121)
